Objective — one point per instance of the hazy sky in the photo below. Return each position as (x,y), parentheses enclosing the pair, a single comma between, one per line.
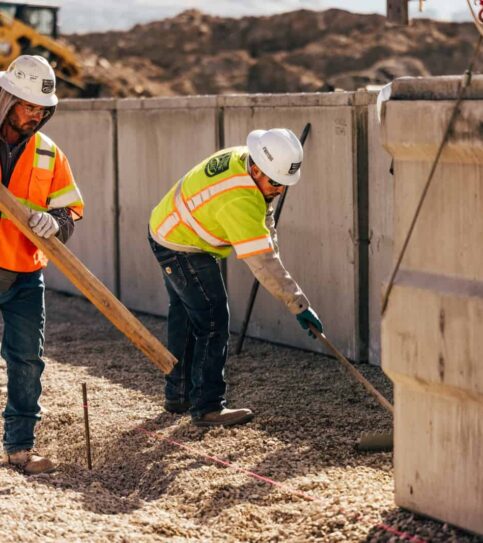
(86,15)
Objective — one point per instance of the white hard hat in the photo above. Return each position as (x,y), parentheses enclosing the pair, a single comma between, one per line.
(32,79)
(278,153)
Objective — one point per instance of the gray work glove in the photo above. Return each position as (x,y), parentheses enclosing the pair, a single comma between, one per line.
(309,316)
(43,224)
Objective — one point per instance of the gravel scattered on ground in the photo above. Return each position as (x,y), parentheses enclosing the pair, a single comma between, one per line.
(151,478)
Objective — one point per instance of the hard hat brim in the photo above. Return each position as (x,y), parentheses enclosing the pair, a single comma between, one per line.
(256,152)
(46,101)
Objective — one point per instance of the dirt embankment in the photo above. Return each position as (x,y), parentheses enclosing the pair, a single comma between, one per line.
(301,51)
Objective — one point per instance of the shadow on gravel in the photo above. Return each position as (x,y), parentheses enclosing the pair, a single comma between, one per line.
(402,525)
(304,403)
(78,335)
(137,466)
(127,470)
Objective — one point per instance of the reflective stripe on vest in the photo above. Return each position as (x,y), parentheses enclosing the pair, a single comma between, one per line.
(168,224)
(26,203)
(67,197)
(205,195)
(44,158)
(184,211)
(253,247)
(188,219)
(45,149)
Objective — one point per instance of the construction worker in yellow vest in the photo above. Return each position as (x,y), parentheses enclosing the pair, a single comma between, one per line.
(38,174)
(222,203)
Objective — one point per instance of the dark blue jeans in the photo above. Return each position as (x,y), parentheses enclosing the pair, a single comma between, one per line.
(23,310)
(198,328)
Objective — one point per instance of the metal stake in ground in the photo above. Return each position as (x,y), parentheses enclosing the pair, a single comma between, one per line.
(86,425)
(256,284)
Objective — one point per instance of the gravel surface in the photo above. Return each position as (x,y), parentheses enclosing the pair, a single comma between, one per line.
(152,479)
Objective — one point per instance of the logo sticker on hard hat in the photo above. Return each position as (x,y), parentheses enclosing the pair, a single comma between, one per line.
(267,152)
(47,86)
(294,167)
(218,164)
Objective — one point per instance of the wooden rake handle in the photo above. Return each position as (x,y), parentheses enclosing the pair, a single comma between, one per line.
(352,370)
(89,285)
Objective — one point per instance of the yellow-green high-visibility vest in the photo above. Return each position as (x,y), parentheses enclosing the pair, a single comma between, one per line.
(216,206)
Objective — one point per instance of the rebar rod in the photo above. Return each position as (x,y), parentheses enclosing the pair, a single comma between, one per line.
(256,284)
(86,425)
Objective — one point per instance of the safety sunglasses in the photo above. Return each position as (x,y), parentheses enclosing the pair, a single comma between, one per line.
(274,183)
(32,110)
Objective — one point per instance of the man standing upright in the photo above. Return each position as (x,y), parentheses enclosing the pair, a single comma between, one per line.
(38,174)
(223,202)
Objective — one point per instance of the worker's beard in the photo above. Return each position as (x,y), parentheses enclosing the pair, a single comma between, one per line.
(23,130)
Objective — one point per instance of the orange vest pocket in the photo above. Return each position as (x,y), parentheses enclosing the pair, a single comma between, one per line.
(39,187)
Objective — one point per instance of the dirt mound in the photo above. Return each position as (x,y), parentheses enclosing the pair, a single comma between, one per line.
(301,51)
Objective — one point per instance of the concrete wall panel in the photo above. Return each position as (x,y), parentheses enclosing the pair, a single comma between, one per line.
(127,153)
(86,137)
(381,193)
(431,331)
(157,145)
(316,229)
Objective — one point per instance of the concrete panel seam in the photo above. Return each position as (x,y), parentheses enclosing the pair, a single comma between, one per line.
(117,210)
(361,224)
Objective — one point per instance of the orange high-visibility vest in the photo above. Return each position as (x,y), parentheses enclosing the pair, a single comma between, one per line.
(41,180)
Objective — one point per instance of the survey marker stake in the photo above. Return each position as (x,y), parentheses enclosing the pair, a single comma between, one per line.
(86,425)
(256,284)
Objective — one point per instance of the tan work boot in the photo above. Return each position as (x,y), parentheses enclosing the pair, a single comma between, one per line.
(30,463)
(225,417)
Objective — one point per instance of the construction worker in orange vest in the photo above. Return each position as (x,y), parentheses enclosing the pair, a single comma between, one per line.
(222,203)
(36,171)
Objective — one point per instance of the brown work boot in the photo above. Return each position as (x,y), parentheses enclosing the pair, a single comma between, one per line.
(225,417)
(30,463)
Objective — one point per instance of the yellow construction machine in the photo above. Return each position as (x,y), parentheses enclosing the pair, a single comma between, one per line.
(31,28)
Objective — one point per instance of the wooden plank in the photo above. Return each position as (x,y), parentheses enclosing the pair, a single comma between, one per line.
(89,285)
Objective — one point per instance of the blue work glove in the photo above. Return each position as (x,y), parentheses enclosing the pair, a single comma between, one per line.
(309,316)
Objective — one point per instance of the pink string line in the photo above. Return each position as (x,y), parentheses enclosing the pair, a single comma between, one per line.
(402,535)
(263,478)
(231,465)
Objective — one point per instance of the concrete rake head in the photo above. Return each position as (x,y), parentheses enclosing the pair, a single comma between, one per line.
(375,442)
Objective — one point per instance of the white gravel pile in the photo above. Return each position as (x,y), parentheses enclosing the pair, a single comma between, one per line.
(152,479)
